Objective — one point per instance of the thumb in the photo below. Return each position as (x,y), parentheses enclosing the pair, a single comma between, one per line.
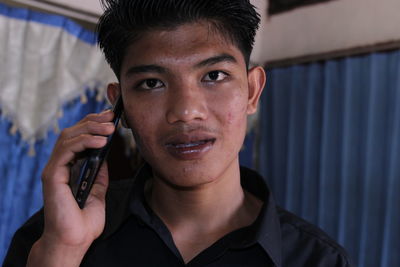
(100,184)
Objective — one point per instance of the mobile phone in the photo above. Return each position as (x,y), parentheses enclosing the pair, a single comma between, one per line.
(90,166)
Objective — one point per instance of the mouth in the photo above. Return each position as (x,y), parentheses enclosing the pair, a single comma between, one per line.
(190,150)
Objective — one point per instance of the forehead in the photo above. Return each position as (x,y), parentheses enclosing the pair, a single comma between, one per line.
(182,44)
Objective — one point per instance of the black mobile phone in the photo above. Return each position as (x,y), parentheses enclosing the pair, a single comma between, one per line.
(89,167)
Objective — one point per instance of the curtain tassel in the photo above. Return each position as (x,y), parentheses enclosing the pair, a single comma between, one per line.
(13,129)
(32,151)
(60,114)
(84,99)
(99,96)
(56,128)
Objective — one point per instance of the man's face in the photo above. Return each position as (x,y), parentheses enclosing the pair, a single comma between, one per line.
(186,98)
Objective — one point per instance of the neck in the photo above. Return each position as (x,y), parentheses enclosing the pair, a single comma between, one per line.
(199,216)
(204,207)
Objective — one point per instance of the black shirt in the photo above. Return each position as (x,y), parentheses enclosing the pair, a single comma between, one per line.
(135,236)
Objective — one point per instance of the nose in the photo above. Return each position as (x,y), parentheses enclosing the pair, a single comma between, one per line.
(186,103)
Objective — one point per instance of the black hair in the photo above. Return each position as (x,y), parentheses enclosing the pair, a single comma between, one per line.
(124,20)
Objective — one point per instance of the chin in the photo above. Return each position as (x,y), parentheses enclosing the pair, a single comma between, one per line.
(187,176)
(193,174)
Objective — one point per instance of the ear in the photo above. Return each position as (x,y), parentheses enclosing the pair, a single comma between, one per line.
(256,80)
(113,92)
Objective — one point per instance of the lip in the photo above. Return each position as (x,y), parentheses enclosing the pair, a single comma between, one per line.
(190,146)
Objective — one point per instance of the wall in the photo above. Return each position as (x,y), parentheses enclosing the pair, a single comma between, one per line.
(321,28)
(92,6)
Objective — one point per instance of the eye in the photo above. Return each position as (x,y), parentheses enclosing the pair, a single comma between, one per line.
(215,76)
(150,84)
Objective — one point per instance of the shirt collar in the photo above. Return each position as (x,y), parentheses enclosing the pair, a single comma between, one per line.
(265,230)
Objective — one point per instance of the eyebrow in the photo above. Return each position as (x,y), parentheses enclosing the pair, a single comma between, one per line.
(144,69)
(158,69)
(217,59)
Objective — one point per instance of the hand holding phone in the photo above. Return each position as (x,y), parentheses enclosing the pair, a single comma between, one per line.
(87,174)
(69,230)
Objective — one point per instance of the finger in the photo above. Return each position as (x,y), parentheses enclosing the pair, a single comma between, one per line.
(67,150)
(95,205)
(100,185)
(105,116)
(57,169)
(88,127)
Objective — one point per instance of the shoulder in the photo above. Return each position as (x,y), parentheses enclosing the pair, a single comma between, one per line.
(304,244)
(32,229)
(23,240)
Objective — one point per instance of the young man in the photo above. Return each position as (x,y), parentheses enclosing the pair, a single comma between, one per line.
(183,74)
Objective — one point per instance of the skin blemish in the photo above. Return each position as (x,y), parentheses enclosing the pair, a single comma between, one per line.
(230,118)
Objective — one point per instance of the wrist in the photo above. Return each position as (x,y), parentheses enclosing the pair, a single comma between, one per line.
(47,253)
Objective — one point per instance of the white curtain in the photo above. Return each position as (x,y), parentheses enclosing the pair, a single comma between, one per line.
(46,61)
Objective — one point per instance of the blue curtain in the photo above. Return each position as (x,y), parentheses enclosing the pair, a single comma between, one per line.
(20,184)
(35,74)
(330,150)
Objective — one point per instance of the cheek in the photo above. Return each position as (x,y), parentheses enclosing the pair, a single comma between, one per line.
(230,118)
(236,109)
(138,122)
(236,115)
(133,118)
